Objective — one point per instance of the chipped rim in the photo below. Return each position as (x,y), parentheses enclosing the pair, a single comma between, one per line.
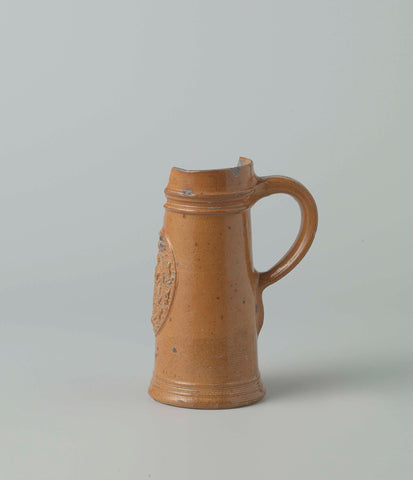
(242,162)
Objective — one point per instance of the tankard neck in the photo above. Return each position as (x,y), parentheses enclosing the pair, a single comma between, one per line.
(224,190)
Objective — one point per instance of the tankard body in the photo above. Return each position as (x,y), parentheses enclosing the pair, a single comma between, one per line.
(207,305)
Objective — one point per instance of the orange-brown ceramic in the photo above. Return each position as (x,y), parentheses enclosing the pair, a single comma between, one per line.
(207,306)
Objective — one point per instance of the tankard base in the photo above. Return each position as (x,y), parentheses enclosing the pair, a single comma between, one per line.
(207,396)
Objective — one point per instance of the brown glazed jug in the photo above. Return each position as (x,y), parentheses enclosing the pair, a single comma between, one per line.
(207,306)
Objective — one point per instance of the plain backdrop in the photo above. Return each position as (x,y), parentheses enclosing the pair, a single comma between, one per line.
(98,100)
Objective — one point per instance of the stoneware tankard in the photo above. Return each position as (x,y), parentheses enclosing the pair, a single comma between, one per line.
(207,305)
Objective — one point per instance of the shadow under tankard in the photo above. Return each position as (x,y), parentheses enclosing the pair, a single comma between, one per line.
(368,374)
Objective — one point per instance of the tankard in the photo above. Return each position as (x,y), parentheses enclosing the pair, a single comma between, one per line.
(207,305)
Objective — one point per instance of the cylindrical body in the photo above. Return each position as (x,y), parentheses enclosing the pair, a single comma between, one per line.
(207,306)
(205,300)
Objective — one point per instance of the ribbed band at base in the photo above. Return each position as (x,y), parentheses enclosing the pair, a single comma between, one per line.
(207,396)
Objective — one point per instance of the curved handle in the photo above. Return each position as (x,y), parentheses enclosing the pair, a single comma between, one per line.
(276,184)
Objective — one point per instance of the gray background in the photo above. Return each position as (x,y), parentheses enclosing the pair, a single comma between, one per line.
(98,100)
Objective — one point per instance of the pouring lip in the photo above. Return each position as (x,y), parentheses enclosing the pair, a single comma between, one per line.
(242,162)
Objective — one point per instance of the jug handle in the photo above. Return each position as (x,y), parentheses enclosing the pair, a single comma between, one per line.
(309,218)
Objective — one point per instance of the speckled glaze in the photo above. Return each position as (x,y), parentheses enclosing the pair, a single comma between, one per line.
(207,306)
